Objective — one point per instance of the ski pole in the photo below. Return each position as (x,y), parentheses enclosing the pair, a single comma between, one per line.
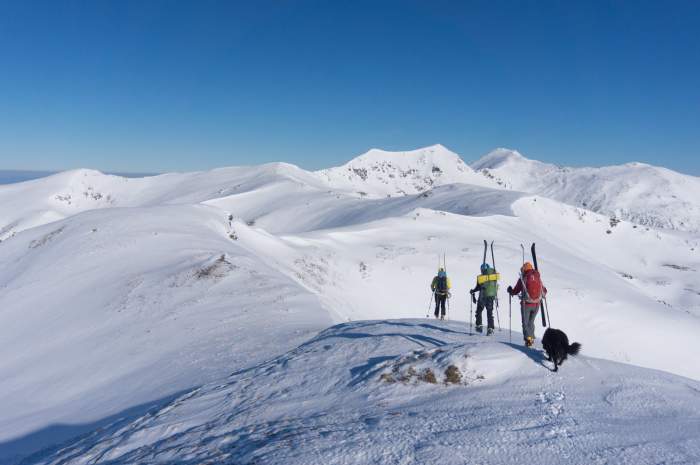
(498,318)
(444,264)
(510,318)
(471,309)
(430,304)
(493,262)
(546,307)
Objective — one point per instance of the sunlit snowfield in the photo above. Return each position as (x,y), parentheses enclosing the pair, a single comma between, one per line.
(119,296)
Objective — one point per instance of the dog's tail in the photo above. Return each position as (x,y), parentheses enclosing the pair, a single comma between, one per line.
(573,349)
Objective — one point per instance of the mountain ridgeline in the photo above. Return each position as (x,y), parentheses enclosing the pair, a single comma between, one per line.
(642,194)
(648,196)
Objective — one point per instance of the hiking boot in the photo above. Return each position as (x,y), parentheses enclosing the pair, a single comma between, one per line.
(479,329)
(442,317)
(489,331)
(529,341)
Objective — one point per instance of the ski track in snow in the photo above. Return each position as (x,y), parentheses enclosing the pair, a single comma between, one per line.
(117,292)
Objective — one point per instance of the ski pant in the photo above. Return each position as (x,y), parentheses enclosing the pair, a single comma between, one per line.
(529,314)
(488,303)
(440,300)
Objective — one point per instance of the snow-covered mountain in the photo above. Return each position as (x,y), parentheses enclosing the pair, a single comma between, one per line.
(129,302)
(379,173)
(637,192)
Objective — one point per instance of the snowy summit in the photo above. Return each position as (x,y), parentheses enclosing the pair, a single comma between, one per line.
(379,173)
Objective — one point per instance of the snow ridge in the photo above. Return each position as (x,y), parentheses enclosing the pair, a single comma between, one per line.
(487,401)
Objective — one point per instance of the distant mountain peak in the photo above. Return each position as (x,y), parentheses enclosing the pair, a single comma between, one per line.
(497,158)
(381,173)
(434,152)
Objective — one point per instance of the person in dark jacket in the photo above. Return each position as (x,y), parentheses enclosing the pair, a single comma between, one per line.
(441,288)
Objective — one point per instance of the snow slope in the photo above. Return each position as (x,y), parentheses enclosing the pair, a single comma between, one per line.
(598,282)
(359,393)
(116,308)
(637,192)
(181,279)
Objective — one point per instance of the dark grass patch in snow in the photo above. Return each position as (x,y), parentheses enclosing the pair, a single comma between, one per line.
(677,267)
(427,376)
(452,375)
(39,242)
(217,269)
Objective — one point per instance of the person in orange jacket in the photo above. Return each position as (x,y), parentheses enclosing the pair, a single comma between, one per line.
(531,292)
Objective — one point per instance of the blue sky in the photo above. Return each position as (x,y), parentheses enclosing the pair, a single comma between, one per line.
(155,86)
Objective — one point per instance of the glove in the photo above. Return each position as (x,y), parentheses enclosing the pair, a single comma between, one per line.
(471,291)
(510,290)
(473,298)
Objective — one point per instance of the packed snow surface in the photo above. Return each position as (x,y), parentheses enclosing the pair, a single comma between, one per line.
(126,304)
(379,392)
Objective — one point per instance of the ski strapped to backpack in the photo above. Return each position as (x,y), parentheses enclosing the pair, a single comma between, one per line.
(493,262)
(534,261)
(491,275)
(487,281)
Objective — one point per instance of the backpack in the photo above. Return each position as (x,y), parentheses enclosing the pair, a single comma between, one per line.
(489,282)
(490,288)
(442,284)
(532,287)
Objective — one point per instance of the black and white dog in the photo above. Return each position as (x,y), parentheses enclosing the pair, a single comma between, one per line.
(557,346)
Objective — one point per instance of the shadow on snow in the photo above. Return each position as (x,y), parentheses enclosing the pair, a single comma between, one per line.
(47,440)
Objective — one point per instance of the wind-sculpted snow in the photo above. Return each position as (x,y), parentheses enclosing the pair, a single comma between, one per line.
(348,396)
(643,194)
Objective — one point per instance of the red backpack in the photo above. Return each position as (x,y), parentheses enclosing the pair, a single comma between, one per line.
(532,285)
